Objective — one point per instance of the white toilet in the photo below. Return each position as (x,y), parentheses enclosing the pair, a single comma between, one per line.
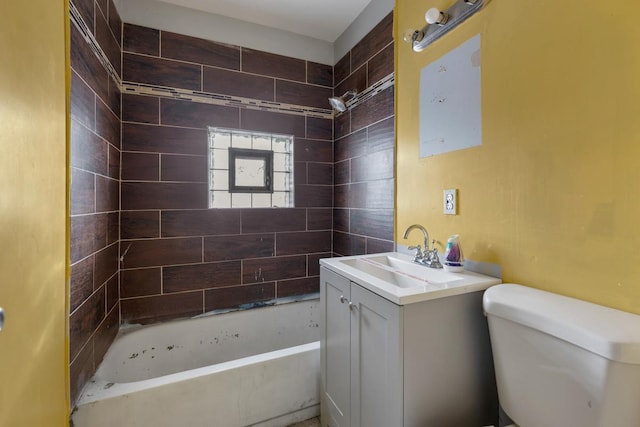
(563,362)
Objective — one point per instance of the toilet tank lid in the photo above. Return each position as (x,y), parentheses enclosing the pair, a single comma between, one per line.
(611,333)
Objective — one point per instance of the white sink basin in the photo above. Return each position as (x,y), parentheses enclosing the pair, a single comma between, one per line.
(421,272)
(395,277)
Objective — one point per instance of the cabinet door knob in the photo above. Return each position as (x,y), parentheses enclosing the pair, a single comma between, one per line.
(1,318)
(343,299)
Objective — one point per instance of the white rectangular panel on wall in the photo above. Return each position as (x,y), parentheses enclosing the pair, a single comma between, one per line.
(450,101)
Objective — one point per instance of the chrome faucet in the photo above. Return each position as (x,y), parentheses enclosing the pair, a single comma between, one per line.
(429,257)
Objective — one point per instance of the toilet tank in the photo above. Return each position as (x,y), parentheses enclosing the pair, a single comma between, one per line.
(560,361)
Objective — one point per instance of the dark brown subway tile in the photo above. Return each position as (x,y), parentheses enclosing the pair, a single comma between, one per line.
(319,74)
(226,82)
(378,165)
(274,220)
(237,296)
(115,22)
(380,36)
(114,162)
(372,223)
(137,39)
(302,94)
(295,287)
(313,263)
(314,196)
(108,42)
(183,168)
(150,195)
(113,291)
(319,128)
(243,246)
(205,222)
(113,97)
(381,136)
(274,268)
(308,150)
(348,244)
(320,173)
(341,220)
(87,11)
(140,166)
(358,197)
(83,102)
(139,225)
(342,172)
(159,308)
(84,321)
(105,335)
(102,7)
(269,64)
(140,282)
(81,282)
(200,276)
(157,252)
(267,121)
(304,242)
(380,194)
(106,264)
(351,146)
(342,69)
(107,194)
(374,109)
(381,65)
(88,235)
(161,139)
(141,109)
(88,151)
(162,72)
(356,81)
(376,246)
(81,369)
(196,115)
(200,51)
(319,219)
(300,173)
(342,124)
(113,227)
(87,65)
(83,192)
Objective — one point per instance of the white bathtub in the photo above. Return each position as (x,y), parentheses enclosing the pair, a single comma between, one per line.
(258,367)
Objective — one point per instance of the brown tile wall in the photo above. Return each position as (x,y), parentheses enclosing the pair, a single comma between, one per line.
(363,218)
(95,192)
(138,167)
(182,258)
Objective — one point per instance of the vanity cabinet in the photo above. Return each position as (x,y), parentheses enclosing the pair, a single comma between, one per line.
(388,365)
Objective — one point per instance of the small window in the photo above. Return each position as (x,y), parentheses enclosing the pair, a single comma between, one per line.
(250,169)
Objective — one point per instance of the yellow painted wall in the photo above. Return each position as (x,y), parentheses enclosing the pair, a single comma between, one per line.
(553,193)
(33,213)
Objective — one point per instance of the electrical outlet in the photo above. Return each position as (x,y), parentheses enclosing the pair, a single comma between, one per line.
(450,202)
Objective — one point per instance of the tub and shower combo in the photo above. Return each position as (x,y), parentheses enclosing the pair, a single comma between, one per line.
(257,367)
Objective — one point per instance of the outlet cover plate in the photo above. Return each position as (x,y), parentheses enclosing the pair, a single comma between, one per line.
(450,202)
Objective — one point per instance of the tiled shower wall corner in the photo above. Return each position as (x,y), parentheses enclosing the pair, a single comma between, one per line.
(183,259)
(95,192)
(363,219)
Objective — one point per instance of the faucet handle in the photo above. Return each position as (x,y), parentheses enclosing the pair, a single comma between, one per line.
(419,255)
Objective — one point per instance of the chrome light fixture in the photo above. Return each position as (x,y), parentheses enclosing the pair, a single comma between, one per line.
(441,22)
(339,103)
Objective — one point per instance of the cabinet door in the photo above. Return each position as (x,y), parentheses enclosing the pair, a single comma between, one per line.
(334,353)
(376,360)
